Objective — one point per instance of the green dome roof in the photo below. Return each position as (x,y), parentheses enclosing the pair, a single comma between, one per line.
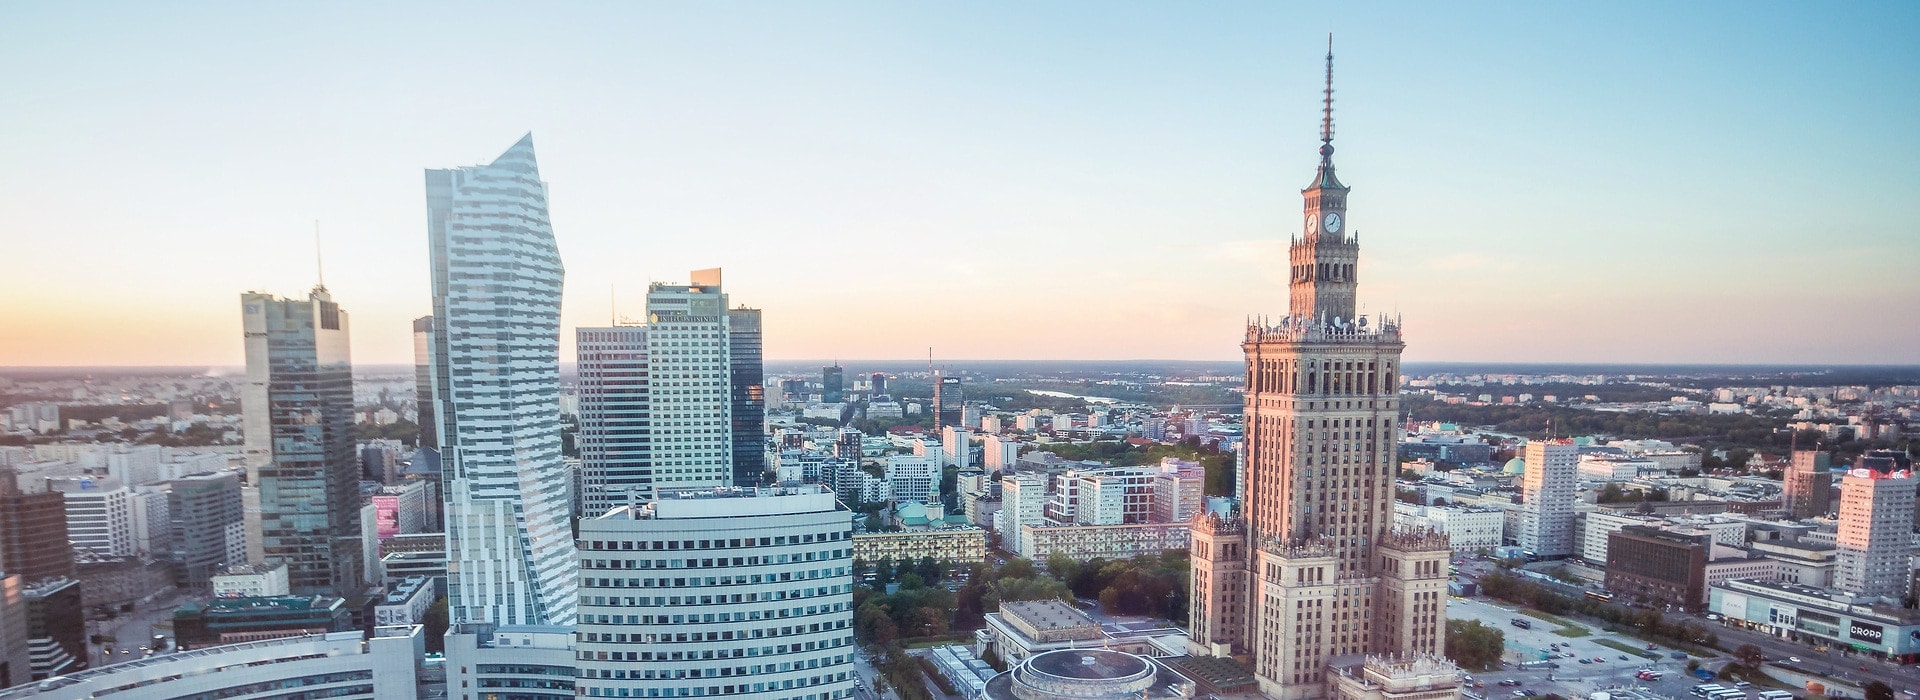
(1515,466)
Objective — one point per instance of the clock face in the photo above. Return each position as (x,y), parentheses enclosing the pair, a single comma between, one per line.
(1333,222)
(1312,221)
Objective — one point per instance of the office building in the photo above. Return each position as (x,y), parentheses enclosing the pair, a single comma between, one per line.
(1658,567)
(485,662)
(495,385)
(29,522)
(235,620)
(1875,539)
(408,508)
(56,627)
(298,397)
(948,398)
(1547,497)
(832,384)
(99,514)
(343,665)
(747,383)
(1335,578)
(689,370)
(613,433)
(423,383)
(878,381)
(16,659)
(735,592)
(1808,490)
(205,513)
(252,581)
(915,478)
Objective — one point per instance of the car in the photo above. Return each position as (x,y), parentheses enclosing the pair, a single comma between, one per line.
(1586,661)
(1909,693)
(1518,693)
(1599,659)
(1623,657)
(1530,692)
(1651,647)
(1510,683)
(1793,659)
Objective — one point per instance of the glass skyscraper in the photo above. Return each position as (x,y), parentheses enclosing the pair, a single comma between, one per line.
(495,374)
(298,401)
(749,396)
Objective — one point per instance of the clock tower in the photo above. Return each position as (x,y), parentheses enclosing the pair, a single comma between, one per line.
(1324,256)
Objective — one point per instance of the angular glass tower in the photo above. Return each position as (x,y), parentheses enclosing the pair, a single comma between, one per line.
(298,401)
(495,375)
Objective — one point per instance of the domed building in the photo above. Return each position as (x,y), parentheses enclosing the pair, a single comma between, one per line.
(1515,467)
(1087,674)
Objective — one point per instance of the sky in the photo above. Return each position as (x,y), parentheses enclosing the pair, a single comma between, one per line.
(1532,182)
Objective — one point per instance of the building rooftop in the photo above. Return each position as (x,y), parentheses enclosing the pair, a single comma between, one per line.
(252,569)
(1047,615)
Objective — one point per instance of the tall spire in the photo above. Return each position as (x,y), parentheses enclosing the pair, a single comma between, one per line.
(1326,117)
(319,262)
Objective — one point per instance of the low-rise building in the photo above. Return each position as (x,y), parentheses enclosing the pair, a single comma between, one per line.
(406,602)
(344,665)
(1426,677)
(1820,616)
(959,545)
(1084,542)
(533,662)
(252,580)
(233,620)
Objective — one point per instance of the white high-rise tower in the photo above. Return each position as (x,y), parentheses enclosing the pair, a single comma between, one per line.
(495,379)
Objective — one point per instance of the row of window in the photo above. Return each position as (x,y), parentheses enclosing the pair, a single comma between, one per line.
(736,543)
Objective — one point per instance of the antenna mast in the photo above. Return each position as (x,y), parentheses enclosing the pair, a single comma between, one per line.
(319,263)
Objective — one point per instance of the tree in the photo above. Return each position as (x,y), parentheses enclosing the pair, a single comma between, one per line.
(1750,655)
(434,626)
(1879,691)
(929,570)
(1017,568)
(1473,645)
(874,624)
(911,581)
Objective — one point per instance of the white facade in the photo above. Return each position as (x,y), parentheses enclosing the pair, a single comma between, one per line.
(1600,524)
(406,603)
(252,580)
(536,661)
(495,377)
(99,515)
(335,665)
(1547,493)
(1467,529)
(1000,451)
(689,364)
(729,592)
(956,446)
(1023,501)
(1875,538)
(1606,468)
(915,478)
(1062,422)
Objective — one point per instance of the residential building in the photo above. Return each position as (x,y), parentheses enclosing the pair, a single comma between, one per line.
(1178,495)
(1875,541)
(1086,542)
(1023,502)
(1547,497)
(958,545)
(1321,435)
(298,397)
(736,592)
(915,478)
(956,446)
(1000,451)
(747,383)
(344,665)
(495,380)
(1808,487)
(252,581)
(485,662)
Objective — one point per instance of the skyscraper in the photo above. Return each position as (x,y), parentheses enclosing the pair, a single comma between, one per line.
(832,384)
(739,593)
(948,397)
(1876,526)
(879,383)
(613,435)
(749,390)
(495,361)
(689,367)
(208,521)
(423,382)
(1809,484)
(299,399)
(1547,496)
(1325,572)
(28,522)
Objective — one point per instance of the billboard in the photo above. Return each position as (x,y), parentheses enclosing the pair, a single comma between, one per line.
(1871,634)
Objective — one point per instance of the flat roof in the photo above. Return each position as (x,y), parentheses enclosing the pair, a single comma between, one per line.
(1047,615)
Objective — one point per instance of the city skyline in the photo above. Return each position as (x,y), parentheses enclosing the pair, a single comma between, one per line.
(1705,188)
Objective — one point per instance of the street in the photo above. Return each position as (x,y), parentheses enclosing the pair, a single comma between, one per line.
(1572,679)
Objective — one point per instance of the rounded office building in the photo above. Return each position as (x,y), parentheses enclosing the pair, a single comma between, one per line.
(1077,674)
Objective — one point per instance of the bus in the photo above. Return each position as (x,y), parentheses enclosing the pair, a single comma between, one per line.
(1775,695)
(1728,694)
(1601,596)
(1706,689)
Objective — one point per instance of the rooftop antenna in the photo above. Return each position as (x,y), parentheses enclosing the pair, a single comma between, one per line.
(613,306)
(319,264)
(1326,116)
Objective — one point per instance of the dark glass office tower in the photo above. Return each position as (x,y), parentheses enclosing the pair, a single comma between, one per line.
(749,396)
(832,385)
(298,366)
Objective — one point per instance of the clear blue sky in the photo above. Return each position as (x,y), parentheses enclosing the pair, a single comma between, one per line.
(1658,182)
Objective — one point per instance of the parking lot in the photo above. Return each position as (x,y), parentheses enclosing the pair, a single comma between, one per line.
(1572,679)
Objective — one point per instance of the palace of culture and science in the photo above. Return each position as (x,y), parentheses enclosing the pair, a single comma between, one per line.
(1310,580)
